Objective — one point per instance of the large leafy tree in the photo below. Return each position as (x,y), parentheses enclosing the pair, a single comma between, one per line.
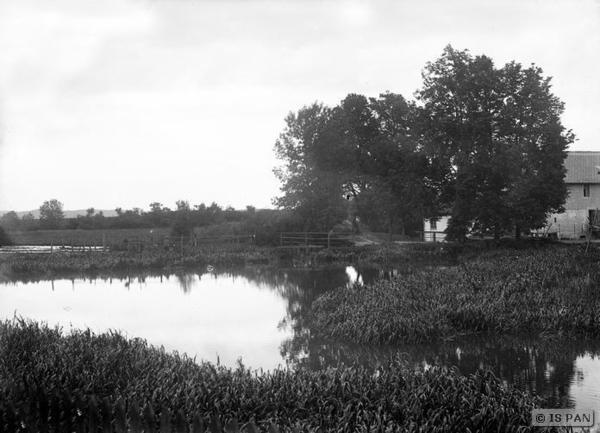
(51,214)
(364,150)
(10,220)
(384,168)
(497,140)
(310,189)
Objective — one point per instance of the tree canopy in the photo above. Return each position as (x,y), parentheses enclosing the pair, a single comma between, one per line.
(312,190)
(497,136)
(51,214)
(357,161)
(482,144)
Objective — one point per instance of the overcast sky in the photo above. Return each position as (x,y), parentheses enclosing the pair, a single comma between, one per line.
(122,103)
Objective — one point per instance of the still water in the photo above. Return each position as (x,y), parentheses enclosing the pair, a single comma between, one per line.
(260,316)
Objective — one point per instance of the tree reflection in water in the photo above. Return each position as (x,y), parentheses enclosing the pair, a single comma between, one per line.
(542,367)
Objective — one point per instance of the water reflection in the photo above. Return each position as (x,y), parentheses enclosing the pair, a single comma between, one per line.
(565,373)
(262,315)
(259,314)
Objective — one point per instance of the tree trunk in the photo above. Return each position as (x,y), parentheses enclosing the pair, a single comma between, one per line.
(355,228)
(497,232)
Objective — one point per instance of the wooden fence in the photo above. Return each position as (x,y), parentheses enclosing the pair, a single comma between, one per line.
(314,239)
(61,412)
(432,236)
(174,242)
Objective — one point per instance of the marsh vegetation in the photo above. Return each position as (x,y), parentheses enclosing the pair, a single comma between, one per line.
(36,357)
(335,375)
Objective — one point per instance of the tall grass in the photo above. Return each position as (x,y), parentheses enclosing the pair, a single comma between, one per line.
(552,291)
(343,399)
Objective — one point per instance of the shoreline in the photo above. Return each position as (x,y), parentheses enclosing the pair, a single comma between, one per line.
(15,266)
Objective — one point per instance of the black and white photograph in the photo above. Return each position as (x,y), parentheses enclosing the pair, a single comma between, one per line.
(299,216)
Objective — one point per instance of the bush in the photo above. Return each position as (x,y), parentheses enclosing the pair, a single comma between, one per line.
(4,239)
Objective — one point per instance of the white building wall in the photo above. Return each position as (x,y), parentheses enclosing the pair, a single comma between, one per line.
(435,234)
(573,223)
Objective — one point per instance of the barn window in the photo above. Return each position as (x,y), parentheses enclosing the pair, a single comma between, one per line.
(586,190)
(433,224)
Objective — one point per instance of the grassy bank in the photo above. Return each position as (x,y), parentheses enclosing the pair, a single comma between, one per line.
(550,291)
(32,266)
(343,399)
(15,266)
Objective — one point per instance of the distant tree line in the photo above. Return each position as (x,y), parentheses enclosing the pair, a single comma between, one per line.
(264,224)
(481,144)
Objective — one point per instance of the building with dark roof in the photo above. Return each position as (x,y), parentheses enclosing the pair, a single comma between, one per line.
(583,203)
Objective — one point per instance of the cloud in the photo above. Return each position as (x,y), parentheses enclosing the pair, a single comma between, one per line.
(43,43)
(193,91)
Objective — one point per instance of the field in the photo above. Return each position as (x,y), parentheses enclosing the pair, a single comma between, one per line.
(117,237)
(39,362)
(85,237)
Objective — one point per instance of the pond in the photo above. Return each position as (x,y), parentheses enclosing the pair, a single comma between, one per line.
(259,316)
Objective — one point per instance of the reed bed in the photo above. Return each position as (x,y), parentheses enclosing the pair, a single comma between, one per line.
(346,399)
(551,291)
(386,254)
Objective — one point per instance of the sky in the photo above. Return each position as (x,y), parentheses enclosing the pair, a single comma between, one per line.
(123,103)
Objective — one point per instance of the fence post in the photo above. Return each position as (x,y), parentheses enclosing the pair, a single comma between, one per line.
(328,240)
